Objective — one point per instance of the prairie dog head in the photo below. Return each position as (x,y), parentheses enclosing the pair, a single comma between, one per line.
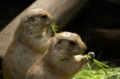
(37,17)
(35,28)
(67,43)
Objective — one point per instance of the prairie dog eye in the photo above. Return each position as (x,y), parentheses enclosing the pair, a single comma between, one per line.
(44,16)
(72,43)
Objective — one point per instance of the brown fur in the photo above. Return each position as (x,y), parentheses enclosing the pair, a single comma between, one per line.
(29,43)
(62,60)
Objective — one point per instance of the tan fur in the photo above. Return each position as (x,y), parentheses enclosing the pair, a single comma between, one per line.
(29,43)
(62,60)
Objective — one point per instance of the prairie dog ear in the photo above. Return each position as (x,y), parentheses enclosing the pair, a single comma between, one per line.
(26,19)
(32,20)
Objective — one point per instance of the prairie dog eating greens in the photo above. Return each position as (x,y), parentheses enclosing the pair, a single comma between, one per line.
(29,43)
(63,58)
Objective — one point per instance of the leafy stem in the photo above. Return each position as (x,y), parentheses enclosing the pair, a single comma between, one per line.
(100,64)
(54,27)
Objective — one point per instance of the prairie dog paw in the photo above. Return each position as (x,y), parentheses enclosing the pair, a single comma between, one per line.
(92,55)
(85,59)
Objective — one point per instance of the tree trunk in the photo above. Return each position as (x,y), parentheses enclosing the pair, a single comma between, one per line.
(62,10)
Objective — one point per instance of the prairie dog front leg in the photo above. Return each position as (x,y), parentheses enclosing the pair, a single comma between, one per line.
(84,58)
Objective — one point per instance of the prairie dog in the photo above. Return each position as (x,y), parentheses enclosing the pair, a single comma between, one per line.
(28,44)
(63,58)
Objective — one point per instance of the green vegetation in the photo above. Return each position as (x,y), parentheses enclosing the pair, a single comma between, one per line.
(102,65)
(114,73)
(54,28)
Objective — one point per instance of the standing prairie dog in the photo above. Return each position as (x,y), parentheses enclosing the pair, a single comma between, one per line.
(28,44)
(62,60)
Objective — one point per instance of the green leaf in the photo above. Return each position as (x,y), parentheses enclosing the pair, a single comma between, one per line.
(102,65)
(89,66)
(54,28)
